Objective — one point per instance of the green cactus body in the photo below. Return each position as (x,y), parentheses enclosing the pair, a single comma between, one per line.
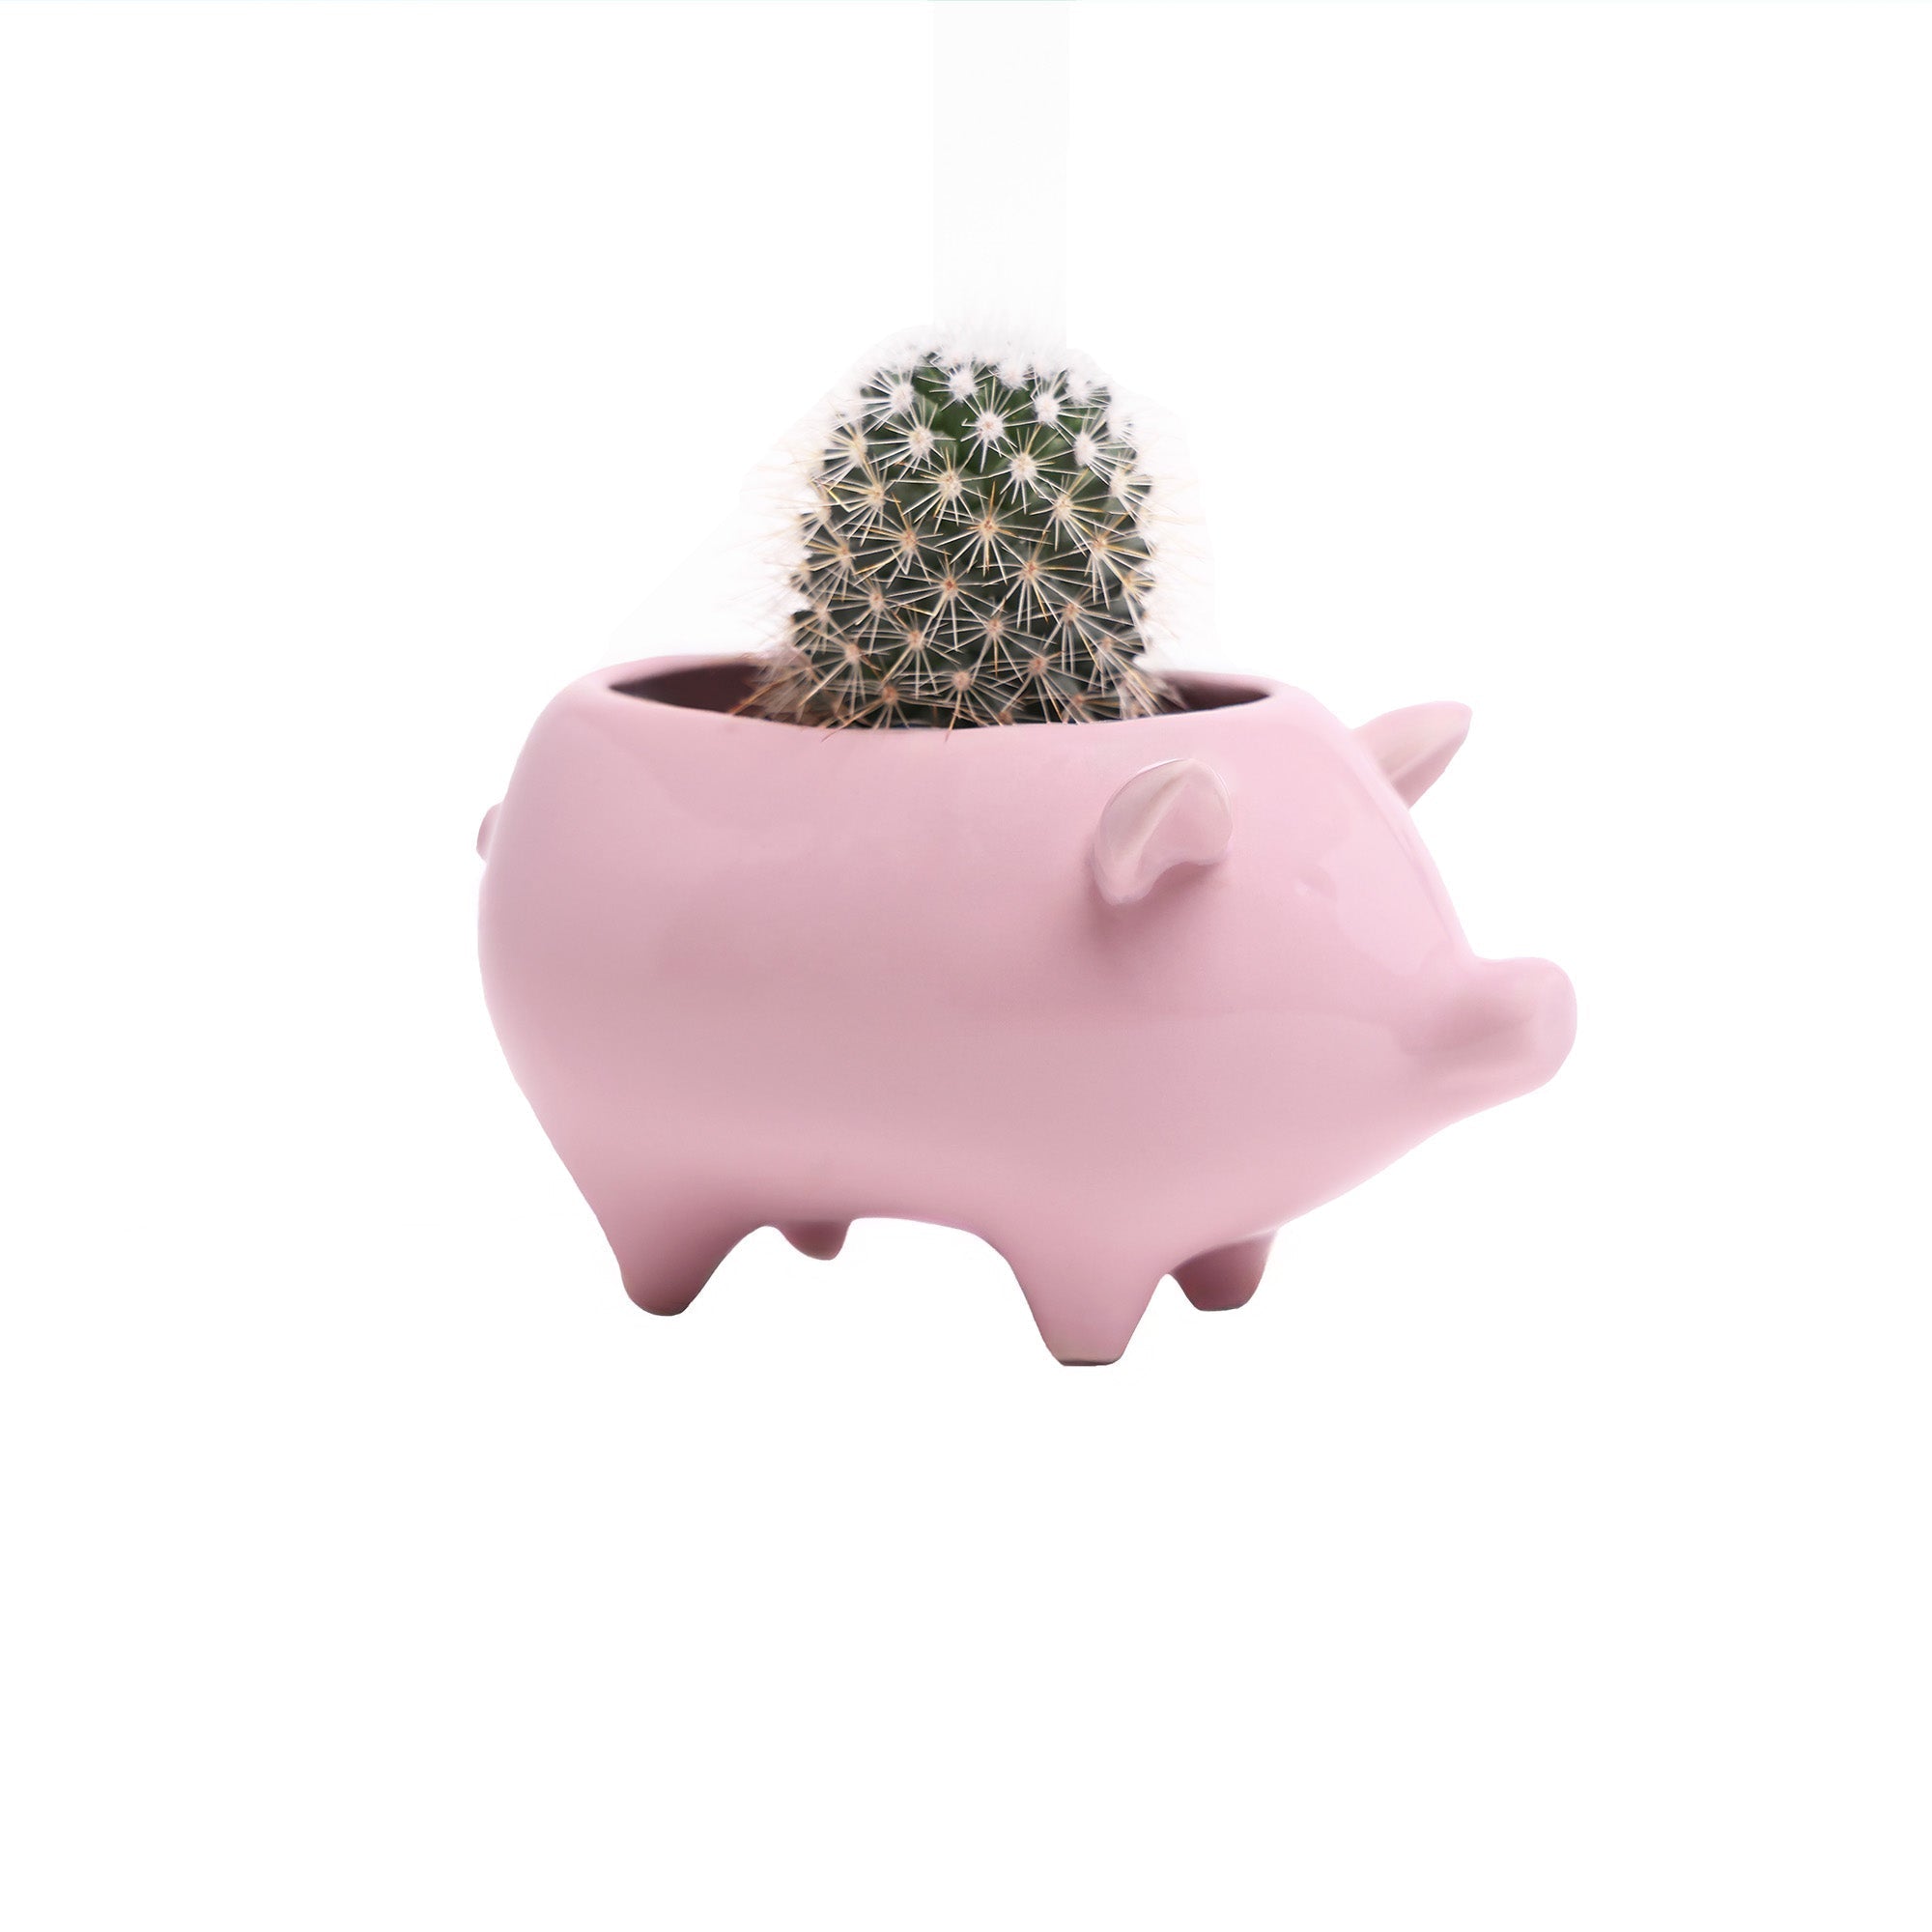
(976,554)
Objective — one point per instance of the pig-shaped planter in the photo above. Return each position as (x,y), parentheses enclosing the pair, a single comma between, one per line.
(1121,998)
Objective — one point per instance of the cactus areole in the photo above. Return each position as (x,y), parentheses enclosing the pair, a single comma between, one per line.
(977,552)
(943,908)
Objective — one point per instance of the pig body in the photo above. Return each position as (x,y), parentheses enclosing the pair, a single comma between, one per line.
(1119,997)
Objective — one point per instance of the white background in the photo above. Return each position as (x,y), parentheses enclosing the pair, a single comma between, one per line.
(1546,1544)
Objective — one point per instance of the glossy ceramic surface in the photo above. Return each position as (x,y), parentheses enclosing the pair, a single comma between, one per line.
(1119,997)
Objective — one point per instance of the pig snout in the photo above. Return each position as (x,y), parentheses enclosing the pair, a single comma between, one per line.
(1507,1030)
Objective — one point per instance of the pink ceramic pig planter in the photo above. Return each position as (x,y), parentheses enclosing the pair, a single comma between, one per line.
(946,907)
(1120,997)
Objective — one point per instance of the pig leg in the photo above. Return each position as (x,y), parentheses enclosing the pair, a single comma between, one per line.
(820,1239)
(668,1239)
(1085,1302)
(1225,1277)
(666,1263)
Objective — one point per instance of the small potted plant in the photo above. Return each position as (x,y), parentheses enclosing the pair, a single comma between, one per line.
(949,907)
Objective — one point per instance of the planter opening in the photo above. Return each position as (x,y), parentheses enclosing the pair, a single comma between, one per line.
(724,683)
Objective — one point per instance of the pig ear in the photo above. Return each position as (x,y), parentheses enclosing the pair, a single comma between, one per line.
(1414,747)
(1168,816)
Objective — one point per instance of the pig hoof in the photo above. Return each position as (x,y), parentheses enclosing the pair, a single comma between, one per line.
(820,1239)
(659,1294)
(1225,1277)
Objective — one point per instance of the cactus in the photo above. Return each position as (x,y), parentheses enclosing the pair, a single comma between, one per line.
(975,552)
